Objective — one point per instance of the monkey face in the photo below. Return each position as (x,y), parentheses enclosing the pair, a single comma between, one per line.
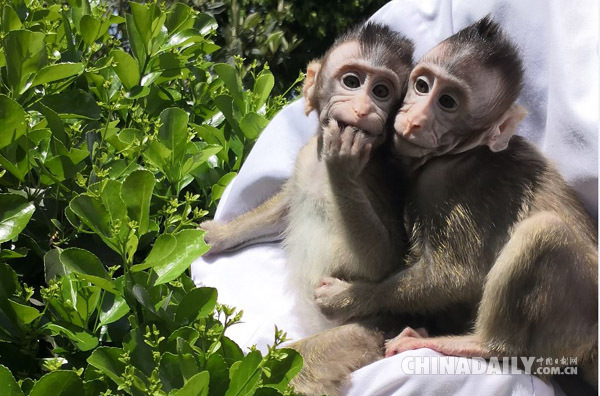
(357,93)
(432,107)
(452,105)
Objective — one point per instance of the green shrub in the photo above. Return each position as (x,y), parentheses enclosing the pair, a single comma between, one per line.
(112,148)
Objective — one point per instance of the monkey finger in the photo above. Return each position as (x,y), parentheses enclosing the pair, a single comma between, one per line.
(398,348)
(348,137)
(358,144)
(334,141)
(410,332)
(422,331)
(365,154)
(329,143)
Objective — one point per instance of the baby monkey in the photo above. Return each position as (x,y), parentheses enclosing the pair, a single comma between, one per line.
(491,223)
(334,212)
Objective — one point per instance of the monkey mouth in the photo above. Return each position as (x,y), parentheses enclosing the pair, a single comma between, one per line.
(356,129)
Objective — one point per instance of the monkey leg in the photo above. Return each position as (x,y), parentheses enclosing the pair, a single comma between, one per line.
(540,298)
(410,339)
(332,355)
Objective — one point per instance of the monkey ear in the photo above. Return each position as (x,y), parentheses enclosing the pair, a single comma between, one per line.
(308,90)
(500,133)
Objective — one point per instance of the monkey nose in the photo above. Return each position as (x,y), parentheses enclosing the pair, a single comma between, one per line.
(362,107)
(410,128)
(362,111)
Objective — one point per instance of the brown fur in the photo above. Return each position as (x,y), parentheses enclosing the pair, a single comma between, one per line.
(498,231)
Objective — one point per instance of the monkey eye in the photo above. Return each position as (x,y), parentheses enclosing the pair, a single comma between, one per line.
(351,81)
(381,91)
(447,102)
(422,85)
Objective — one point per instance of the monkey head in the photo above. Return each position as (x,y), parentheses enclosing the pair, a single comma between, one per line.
(360,81)
(461,95)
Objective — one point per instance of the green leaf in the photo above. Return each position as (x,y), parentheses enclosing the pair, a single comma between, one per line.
(169,372)
(219,375)
(198,159)
(252,125)
(142,17)
(74,104)
(25,314)
(93,214)
(15,213)
(230,350)
(180,17)
(136,192)
(219,188)
(8,282)
(107,360)
(246,378)
(262,88)
(190,245)
(12,121)
(16,163)
(52,266)
(54,123)
(57,72)
(114,307)
(187,363)
(87,266)
(163,246)
(225,104)
(58,383)
(61,167)
(82,261)
(173,131)
(10,19)
(195,386)
(266,391)
(233,82)
(137,92)
(8,254)
(252,20)
(282,371)
(82,339)
(148,22)
(111,198)
(205,24)
(183,39)
(197,303)
(126,68)
(90,28)
(8,384)
(158,155)
(25,53)
(187,333)
(135,40)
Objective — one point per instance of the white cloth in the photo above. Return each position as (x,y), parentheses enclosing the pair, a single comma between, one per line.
(559,44)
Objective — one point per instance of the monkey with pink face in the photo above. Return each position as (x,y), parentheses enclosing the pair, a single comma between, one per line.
(338,210)
(491,223)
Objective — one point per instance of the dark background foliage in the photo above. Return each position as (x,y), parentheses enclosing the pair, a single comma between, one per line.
(285,34)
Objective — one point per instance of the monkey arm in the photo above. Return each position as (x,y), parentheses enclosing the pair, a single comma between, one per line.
(420,288)
(261,224)
(363,225)
(346,154)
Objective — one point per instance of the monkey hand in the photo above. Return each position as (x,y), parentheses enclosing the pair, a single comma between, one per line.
(216,236)
(341,300)
(407,340)
(346,150)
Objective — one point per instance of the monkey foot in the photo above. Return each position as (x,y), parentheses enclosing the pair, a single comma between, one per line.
(409,339)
